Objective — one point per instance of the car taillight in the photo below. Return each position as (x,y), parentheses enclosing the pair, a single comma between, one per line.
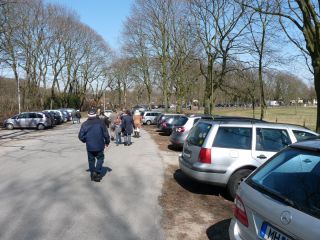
(180,129)
(164,125)
(205,155)
(240,211)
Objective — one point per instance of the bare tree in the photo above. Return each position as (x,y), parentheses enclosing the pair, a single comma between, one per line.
(304,16)
(219,24)
(137,50)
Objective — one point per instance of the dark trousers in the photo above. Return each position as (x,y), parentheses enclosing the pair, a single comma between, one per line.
(95,160)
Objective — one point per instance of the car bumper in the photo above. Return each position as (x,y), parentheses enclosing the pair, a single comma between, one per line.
(177,141)
(234,230)
(202,173)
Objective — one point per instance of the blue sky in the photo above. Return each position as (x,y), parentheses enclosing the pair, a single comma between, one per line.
(104,16)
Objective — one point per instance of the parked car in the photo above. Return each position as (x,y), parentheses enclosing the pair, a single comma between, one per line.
(149,117)
(223,153)
(140,108)
(185,123)
(57,116)
(281,199)
(51,116)
(162,117)
(65,115)
(107,113)
(28,120)
(70,112)
(168,124)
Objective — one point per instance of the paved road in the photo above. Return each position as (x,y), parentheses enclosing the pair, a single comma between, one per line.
(45,191)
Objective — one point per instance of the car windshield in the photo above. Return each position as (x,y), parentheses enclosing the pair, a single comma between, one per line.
(292,177)
(198,133)
(181,121)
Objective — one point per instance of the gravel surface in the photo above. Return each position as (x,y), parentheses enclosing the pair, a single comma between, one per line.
(192,210)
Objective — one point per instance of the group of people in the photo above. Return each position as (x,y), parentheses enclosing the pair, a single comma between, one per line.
(94,132)
(125,125)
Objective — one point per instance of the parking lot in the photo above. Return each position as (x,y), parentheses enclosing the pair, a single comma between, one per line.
(192,210)
(46,192)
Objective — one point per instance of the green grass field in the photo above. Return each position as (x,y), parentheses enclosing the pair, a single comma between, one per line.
(305,116)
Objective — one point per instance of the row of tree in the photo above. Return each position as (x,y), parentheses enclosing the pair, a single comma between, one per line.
(232,42)
(59,58)
(181,50)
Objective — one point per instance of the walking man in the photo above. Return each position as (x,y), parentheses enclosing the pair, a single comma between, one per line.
(94,133)
(127,127)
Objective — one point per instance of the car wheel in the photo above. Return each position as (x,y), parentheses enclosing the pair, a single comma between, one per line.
(235,180)
(40,126)
(148,122)
(9,126)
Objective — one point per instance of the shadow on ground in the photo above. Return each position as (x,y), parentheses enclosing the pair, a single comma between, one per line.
(174,148)
(198,187)
(164,134)
(219,231)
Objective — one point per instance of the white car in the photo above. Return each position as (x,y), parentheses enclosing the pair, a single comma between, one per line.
(107,113)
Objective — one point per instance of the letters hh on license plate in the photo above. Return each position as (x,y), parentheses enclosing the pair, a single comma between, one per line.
(270,233)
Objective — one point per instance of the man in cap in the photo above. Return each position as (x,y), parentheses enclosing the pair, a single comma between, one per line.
(94,133)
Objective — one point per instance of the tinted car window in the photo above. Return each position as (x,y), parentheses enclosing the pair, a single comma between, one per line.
(271,140)
(198,134)
(301,135)
(195,121)
(32,115)
(148,114)
(39,115)
(293,177)
(181,121)
(233,137)
(23,115)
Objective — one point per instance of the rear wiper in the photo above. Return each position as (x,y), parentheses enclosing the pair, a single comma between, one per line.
(275,194)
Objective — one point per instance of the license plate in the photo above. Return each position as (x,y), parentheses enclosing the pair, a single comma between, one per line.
(268,232)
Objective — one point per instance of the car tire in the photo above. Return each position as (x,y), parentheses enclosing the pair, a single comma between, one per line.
(235,180)
(40,126)
(148,122)
(9,126)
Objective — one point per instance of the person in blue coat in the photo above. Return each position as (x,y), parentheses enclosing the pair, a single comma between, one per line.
(94,133)
(127,126)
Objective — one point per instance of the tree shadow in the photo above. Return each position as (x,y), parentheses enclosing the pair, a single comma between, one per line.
(198,187)
(17,133)
(219,230)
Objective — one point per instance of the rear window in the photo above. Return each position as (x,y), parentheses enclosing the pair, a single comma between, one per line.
(233,137)
(301,135)
(181,121)
(292,177)
(198,134)
(271,140)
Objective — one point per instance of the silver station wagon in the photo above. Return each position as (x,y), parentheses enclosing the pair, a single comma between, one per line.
(223,153)
(281,199)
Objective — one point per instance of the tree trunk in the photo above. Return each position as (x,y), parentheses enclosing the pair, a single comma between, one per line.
(316,68)
(208,87)
(262,100)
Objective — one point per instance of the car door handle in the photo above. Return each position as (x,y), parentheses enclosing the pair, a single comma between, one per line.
(261,156)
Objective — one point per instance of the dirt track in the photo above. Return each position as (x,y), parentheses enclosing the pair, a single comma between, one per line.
(191,210)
